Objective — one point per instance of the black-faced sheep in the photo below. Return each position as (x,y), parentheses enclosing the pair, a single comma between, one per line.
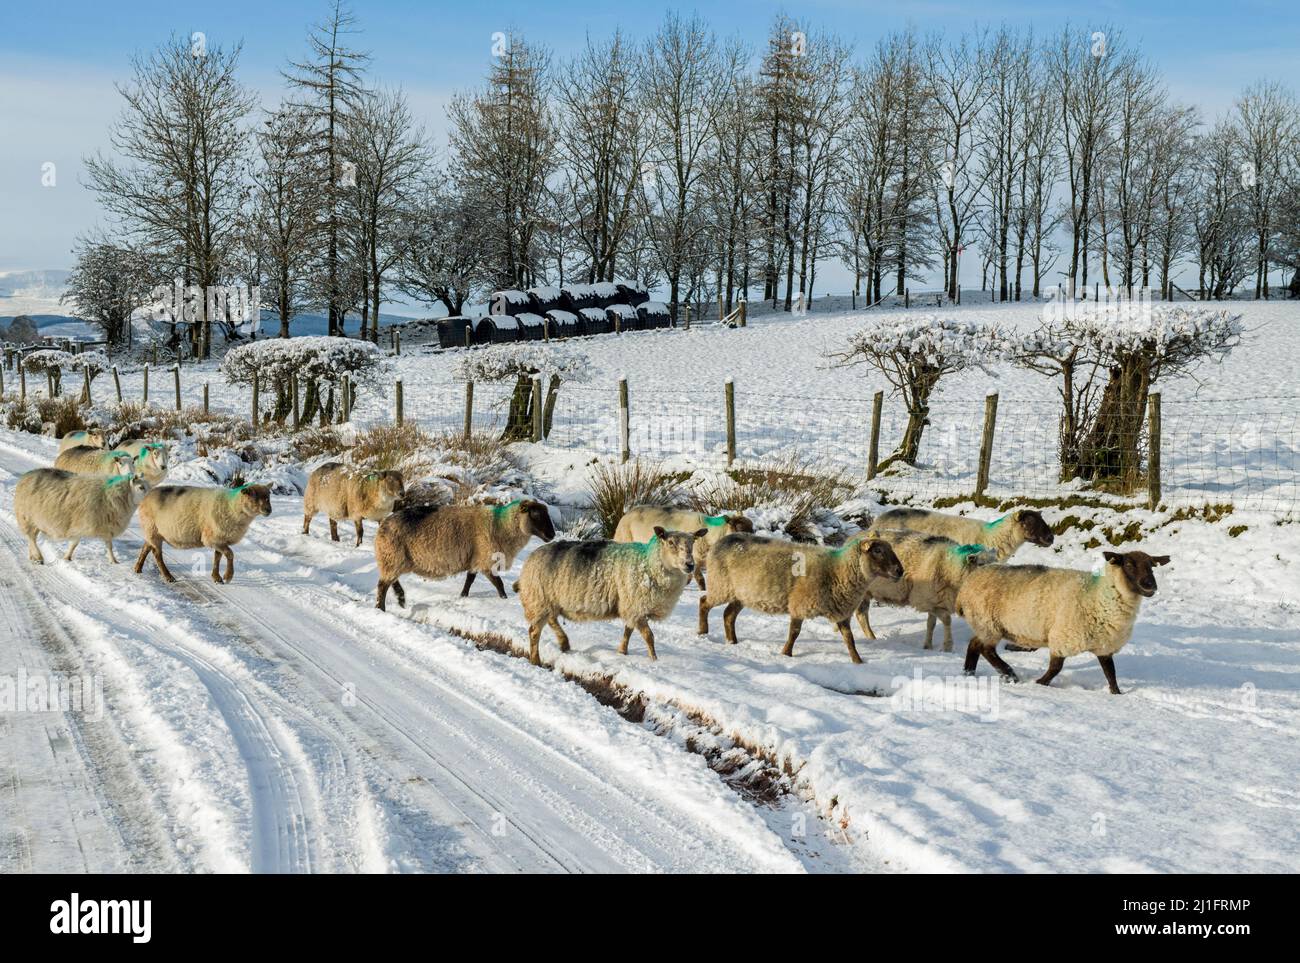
(1002,535)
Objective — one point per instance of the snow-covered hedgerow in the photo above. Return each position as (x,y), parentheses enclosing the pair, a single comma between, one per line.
(913,353)
(321,358)
(52,359)
(505,361)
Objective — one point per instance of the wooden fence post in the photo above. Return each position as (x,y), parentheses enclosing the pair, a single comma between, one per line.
(293,396)
(255,386)
(744,307)
(623,424)
(146,383)
(907,297)
(22,381)
(719,306)
(986,444)
(731,421)
(397,342)
(154,357)
(85,391)
(2,382)
(469,335)
(687,306)
(873,451)
(346,406)
(205,397)
(1153,449)
(400,413)
(117,384)
(537,408)
(469,409)
(176,375)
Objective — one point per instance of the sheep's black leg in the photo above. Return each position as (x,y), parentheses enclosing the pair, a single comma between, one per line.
(1053,667)
(469,580)
(145,549)
(795,626)
(162,566)
(381,593)
(699,577)
(972,656)
(361,531)
(846,632)
(499,585)
(400,593)
(1108,667)
(729,621)
(995,660)
(334,530)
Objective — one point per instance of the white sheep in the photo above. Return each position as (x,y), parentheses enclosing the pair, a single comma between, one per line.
(639,522)
(1066,611)
(188,517)
(934,568)
(62,504)
(599,580)
(1002,535)
(92,438)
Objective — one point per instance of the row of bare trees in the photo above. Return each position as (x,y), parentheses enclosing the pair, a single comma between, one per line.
(700,167)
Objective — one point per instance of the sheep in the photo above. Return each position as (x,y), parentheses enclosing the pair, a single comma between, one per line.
(597,580)
(150,461)
(802,581)
(351,495)
(150,458)
(638,525)
(435,542)
(934,569)
(63,504)
(92,438)
(187,517)
(1066,611)
(1002,536)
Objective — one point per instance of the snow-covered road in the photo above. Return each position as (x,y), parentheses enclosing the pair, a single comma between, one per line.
(278,725)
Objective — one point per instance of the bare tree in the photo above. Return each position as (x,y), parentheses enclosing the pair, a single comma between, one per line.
(1266,132)
(329,83)
(683,89)
(108,283)
(389,155)
(442,246)
(180,184)
(603,144)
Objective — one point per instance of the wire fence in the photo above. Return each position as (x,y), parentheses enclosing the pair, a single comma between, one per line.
(1243,451)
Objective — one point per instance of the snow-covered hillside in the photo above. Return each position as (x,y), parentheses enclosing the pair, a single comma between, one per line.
(281,722)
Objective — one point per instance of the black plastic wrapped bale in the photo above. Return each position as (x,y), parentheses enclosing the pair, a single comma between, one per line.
(625,315)
(599,295)
(564,324)
(532,327)
(633,292)
(510,301)
(595,321)
(546,299)
(451,331)
(496,329)
(654,314)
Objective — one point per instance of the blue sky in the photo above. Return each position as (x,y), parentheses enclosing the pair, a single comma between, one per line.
(59,61)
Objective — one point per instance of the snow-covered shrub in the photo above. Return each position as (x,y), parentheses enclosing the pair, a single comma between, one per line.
(913,353)
(1107,367)
(319,362)
(787,496)
(521,362)
(53,363)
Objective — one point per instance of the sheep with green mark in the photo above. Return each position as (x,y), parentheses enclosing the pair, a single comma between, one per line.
(91,438)
(65,505)
(185,516)
(1002,536)
(435,542)
(639,522)
(599,580)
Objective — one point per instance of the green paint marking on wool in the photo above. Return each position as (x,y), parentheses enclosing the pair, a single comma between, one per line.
(231,493)
(117,480)
(715,520)
(965,550)
(989,526)
(499,511)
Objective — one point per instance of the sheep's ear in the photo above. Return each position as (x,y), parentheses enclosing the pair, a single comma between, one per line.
(1160,560)
(1115,558)
(659,531)
(700,533)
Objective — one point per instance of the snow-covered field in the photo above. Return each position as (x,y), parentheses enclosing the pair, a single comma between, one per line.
(280,722)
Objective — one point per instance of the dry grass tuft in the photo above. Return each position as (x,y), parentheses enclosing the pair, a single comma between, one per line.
(386,447)
(616,488)
(800,488)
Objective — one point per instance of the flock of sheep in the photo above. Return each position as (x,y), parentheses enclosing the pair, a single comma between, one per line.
(935,563)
